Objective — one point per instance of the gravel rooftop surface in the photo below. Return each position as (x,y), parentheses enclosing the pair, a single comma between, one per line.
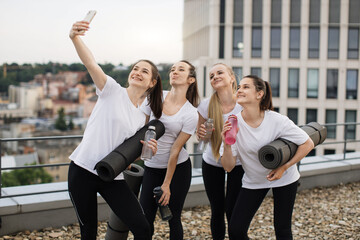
(319,213)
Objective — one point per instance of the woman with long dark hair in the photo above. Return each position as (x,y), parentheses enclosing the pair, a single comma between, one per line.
(170,168)
(115,117)
(257,126)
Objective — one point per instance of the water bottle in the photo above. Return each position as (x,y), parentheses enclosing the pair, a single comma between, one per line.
(209,126)
(147,152)
(230,136)
(165,211)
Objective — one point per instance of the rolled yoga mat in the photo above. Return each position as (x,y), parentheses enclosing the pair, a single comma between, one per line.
(126,153)
(278,152)
(117,230)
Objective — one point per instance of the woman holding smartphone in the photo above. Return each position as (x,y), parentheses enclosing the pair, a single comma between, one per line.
(219,107)
(258,126)
(170,168)
(115,117)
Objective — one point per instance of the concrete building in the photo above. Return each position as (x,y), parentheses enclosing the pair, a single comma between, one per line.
(307,49)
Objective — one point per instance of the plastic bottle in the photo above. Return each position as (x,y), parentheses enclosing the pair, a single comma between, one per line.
(230,136)
(165,211)
(147,153)
(209,125)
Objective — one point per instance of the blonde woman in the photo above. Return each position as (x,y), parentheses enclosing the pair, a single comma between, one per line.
(219,107)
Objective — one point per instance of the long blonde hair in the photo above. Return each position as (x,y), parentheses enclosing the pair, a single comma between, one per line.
(215,112)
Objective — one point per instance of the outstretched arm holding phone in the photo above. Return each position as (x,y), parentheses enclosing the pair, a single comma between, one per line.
(97,74)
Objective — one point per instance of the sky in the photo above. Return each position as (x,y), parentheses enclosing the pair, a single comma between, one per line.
(123,31)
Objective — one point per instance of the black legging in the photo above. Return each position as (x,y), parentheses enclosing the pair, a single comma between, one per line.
(214,182)
(249,201)
(179,187)
(83,188)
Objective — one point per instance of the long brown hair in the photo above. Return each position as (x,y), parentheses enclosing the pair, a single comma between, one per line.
(261,85)
(215,112)
(154,93)
(192,94)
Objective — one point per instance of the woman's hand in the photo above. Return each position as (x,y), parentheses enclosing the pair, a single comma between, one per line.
(201,132)
(165,197)
(78,29)
(276,173)
(226,127)
(151,144)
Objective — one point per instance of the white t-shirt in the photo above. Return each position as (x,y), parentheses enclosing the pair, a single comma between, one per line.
(249,140)
(113,120)
(203,111)
(185,120)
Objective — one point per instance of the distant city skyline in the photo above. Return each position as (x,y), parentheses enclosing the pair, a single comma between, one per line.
(37,31)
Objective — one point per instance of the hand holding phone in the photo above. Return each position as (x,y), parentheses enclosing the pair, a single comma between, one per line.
(89,16)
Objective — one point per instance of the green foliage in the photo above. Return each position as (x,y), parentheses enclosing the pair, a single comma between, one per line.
(70,126)
(60,123)
(25,176)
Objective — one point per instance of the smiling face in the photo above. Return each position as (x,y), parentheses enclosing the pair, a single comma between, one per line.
(221,77)
(247,93)
(179,74)
(141,75)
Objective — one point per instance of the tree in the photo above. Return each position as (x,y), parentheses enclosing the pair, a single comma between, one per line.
(71,124)
(60,123)
(25,176)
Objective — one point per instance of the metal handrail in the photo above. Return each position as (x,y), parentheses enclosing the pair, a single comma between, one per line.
(345,141)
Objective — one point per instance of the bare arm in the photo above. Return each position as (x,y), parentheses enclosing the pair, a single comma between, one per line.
(174,154)
(201,131)
(86,57)
(301,152)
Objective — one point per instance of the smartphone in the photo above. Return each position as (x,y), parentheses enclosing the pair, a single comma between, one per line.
(89,16)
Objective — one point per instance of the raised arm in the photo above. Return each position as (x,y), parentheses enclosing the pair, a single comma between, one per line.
(200,129)
(97,74)
(228,161)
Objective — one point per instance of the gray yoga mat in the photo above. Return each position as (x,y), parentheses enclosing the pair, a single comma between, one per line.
(126,153)
(278,152)
(117,230)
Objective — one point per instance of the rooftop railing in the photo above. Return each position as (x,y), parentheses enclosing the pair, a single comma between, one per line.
(346,140)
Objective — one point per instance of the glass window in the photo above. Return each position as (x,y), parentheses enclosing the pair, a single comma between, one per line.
(314,15)
(331,83)
(221,41)
(275,81)
(275,42)
(293,83)
(197,158)
(311,153)
(334,11)
(295,11)
(350,117)
(294,45)
(312,83)
(238,11)
(292,114)
(329,151)
(204,85)
(330,118)
(354,11)
(314,37)
(311,115)
(256,42)
(276,11)
(333,42)
(238,73)
(256,71)
(276,109)
(222,11)
(238,45)
(353,43)
(257,11)
(351,84)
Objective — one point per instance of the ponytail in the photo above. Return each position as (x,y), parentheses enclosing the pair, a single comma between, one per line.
(215,112)
(192,94)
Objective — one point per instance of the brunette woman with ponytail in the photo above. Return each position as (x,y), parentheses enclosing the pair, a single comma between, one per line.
(257,126)
(219,107)
(115,118)
(170,168)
